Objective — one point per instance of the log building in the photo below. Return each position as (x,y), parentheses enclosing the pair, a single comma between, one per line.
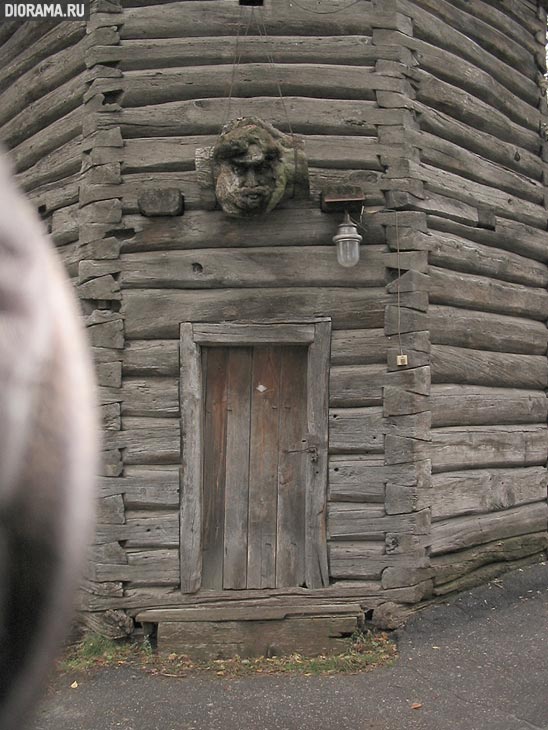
(265,455)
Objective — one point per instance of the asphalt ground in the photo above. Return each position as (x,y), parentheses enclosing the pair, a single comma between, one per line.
(479,662)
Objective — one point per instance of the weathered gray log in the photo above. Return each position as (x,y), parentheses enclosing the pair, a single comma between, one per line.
(508,235)
(481,367)
(475,330)
(41,79)
(367,560)
(465,532)
(441,182)
(473,112)
(250,267)
(151,87)
(438,123)
(43,112)
(110,510)
(205,116)
(369,522)
(481,491)
(356,385)
(483,293)
(176,20)
(133,55)
(497,43)
(160,530)
(148,488)
(58,164)
(453,252)
(487,573)
(473,405)
(157,397)
(157,313)
(112,624)
(488,446)
(146,567)
(197,230)
(161,446)
(356,430)
(465,75)
(452,565)
(65,225)
(432,28)
(444,154)
(27,53)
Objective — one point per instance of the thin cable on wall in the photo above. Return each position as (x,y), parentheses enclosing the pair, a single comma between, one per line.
(324,12)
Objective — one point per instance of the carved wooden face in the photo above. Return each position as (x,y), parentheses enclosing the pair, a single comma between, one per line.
(247,183)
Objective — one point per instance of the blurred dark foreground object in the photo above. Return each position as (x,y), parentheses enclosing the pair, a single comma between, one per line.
(48,448)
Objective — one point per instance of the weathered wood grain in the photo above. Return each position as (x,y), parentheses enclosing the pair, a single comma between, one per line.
(26,47)
(44,111)
(251,334)
(483,293)
(197,230)
(151,357)
(485,330)
(148,488)
(472,405)
(429,26)
(250,267)
(366,560)
(452,565)
(487,573)
(492,41)
(436,122)
(162,445)
(215,364)
(356,385)
(466,532)
(447,155)
(484,491)
(190,537)
(363,478)
(156,313)
(473,112)
(508,235)
(356,430)
(471,193)
(158,397)
(481,367)
(369,522)
(488,446)
(60,163)
(157,531)
(144,567)
(459,254)
(358,347)
(206,116)
(131,55)
(177,20)
(321,80)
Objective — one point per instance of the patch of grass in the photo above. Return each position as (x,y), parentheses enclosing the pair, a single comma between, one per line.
(94,651)
(366,650)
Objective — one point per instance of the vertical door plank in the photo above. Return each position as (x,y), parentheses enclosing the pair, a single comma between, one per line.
(319,352)
(263,468)
(214,466)
(290,551)
(237,467)
(191,469)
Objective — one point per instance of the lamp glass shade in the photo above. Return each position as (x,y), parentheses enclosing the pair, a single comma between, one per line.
(348,242)
(348,252)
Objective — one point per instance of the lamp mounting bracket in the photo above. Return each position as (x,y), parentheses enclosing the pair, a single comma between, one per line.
(342,198)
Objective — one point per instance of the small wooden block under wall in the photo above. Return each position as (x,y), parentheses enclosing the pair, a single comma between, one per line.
(207,640)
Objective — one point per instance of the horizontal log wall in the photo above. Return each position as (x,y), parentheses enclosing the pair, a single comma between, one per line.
(480,117)
(42,84)
(176,64)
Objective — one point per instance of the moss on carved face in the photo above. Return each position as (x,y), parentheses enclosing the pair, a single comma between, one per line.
(253,165)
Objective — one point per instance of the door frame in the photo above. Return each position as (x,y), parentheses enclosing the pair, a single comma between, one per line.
(315,334)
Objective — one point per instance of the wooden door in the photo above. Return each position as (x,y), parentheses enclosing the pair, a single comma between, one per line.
(255,452)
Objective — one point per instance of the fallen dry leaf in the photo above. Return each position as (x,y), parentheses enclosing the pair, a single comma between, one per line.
(74,685)
(416,705)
